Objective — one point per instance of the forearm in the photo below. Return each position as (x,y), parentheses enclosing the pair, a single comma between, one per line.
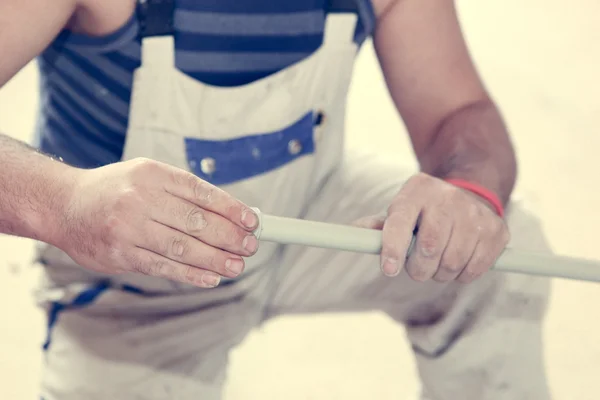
(34,191)
(473,144)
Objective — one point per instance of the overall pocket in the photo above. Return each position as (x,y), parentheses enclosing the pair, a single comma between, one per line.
(224,162)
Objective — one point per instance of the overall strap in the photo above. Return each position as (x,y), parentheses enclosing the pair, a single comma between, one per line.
(156,28)
(342,6)
(155,17)
(341,22)
(363,8)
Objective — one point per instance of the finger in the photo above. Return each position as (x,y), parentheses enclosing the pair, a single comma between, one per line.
(149,263)
(204,225)
(371,222)
(209,197)
(185,249)
(431,241)
(458,252)
(396,237)
(487,251)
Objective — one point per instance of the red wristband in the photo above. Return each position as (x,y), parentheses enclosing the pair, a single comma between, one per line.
(481,192)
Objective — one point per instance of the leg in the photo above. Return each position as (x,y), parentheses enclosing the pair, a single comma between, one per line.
(472,342)
(127,346)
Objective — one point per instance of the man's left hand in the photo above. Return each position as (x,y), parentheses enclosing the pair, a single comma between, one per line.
(459,236)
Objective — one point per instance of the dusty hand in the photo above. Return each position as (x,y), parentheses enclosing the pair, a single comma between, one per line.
(146,217)
(459,236)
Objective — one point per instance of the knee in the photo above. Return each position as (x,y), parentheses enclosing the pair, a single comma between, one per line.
(525,295)
(526,229)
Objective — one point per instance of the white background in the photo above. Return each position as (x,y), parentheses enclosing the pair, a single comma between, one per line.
(541,61)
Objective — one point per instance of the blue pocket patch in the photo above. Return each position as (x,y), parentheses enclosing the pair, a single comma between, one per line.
(222,162)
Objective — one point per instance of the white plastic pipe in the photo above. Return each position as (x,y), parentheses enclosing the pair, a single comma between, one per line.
(348,238)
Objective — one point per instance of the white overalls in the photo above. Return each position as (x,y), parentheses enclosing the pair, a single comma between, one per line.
(277,144)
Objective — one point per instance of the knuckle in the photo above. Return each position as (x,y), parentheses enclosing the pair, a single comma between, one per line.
(469,276)
(398,214)
(188,274)
(148,163)
(479,266)
(149,267)
(235,236)
(138,161)
(429,244)
(195,220)
(158,268)
(201,190)
(179,210)
(143,166)
(138,265)
(155,198)
(125,200)
(233,210)
(419,273)
(178,247)
(453,265)
(492,227)
(134,264)
(441,278)
(209,261)
(418,270)
(178,176)
(475,264)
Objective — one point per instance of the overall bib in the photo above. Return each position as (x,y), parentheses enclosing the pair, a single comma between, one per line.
(277,144)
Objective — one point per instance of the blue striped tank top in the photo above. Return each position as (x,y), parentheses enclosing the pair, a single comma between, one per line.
(86,81)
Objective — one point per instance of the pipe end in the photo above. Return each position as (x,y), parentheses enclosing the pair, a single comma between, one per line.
(258,229)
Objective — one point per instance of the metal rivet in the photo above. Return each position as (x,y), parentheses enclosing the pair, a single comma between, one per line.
(319,119)
(208,165)
(256,153)
(294,147)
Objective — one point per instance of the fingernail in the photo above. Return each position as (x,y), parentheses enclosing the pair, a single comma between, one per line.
(249,219)
(234,265)
(390,267)
(211,280)
(250,243)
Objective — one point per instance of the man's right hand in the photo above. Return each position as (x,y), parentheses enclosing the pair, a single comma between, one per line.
(147,217)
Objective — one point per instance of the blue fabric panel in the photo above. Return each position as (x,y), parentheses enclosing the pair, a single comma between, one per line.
(249,156)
